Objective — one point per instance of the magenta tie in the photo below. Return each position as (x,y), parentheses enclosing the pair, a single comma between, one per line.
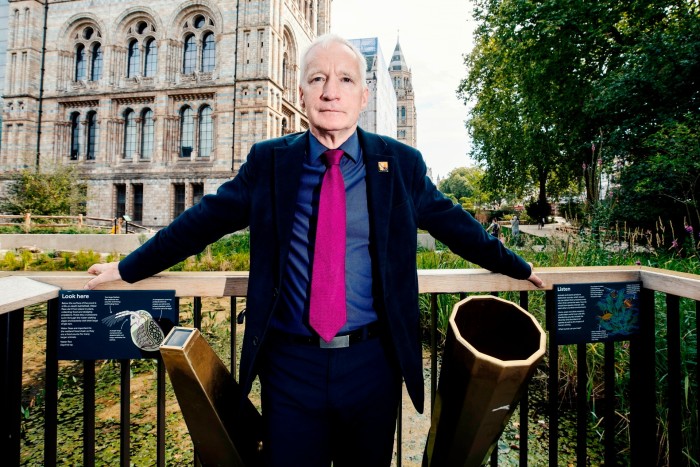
(327,303)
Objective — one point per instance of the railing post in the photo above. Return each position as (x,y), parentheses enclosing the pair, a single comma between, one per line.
(433,348)
(125,414)
(643,379)
(696,452)
(581,403)
(51,385)
(11,337)
(524,401)
(89,413)
(197,323)
(553,382)
(160,412)
(675,393)
(234,338)
(610,403)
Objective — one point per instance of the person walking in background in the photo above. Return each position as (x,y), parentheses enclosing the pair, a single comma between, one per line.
(331,344)
(494,228)
(515,229)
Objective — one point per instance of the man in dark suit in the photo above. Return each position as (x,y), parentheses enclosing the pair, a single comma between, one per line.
(329,399)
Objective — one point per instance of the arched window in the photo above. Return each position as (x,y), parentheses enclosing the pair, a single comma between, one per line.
(92,136)
(403,113)
(96,73)
(189,61)
(289,67)
(134,59)
(80,63)
(147,134)
(151,58)
(198,44)
(88,54)
(141,42)
(129,134)
(74,136)
(206,132)
(284,71)
(186,131)
(208,53)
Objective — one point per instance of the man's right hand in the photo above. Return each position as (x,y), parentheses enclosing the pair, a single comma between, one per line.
(104,272)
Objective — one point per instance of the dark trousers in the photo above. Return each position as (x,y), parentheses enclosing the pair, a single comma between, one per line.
(328,405)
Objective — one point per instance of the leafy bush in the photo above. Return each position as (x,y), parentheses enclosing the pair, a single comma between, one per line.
(54,192)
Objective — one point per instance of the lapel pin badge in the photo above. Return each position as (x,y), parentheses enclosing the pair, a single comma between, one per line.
(383,166)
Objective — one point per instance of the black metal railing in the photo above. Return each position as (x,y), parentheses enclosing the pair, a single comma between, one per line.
(21,289)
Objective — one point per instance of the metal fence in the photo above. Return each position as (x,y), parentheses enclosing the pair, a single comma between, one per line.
(647,444)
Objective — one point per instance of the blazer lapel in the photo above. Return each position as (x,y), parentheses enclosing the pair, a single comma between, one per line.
(380,173)
(288,164)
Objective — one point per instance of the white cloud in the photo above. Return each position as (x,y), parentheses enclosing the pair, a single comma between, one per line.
(434,36)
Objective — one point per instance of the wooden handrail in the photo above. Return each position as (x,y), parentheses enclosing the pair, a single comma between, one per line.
(231,283)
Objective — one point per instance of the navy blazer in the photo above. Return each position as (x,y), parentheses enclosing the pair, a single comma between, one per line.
(262,196)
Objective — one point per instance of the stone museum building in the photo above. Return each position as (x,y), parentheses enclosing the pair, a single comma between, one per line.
(156,103)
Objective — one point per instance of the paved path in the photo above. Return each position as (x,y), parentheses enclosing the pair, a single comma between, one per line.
(556,228)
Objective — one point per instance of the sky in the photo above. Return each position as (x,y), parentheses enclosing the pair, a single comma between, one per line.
(434,36)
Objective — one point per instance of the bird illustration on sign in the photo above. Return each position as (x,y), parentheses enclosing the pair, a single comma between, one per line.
(619,312)
(145,332)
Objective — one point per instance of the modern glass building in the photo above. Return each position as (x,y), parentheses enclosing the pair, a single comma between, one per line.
(380,114)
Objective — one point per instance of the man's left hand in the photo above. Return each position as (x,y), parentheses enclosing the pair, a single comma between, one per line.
(536,281)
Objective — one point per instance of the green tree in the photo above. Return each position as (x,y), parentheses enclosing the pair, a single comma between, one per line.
(666,184)
(650,106)
(561,90)
(51,192)
(531,69)
(466,185)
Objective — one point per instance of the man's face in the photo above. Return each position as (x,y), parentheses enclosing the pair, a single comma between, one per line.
(331,91)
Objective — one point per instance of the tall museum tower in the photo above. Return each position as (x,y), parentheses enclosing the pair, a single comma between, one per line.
(406,117)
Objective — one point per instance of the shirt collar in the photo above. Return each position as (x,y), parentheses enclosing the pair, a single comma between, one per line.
(351,147)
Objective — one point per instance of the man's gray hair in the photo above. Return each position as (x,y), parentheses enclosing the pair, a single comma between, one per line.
(325,41)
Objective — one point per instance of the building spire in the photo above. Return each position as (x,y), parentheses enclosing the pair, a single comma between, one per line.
(397,59)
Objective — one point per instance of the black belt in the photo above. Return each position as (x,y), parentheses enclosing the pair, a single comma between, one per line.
(364,333)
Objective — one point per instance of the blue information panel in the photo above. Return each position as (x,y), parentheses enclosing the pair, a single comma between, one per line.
(102,324)
(597,312)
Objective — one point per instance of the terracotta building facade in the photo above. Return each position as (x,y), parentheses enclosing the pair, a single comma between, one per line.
(156,105)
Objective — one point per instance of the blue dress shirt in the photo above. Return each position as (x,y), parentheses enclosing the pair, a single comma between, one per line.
(296,284)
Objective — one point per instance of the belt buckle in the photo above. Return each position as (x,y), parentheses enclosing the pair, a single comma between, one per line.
(338,342)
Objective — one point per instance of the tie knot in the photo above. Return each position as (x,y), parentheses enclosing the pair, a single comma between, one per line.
(333,156)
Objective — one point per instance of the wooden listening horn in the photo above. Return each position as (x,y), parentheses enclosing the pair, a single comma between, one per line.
(225,426)
(492,349)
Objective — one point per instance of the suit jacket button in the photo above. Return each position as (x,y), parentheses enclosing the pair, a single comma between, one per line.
(275,292)
(255,341)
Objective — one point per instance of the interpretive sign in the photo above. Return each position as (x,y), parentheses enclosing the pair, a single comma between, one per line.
(597,312)
(109,324)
